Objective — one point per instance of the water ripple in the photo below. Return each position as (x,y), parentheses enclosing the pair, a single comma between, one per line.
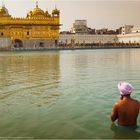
(50,93)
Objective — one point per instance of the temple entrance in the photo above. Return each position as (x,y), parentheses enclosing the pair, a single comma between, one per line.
(56,42)
(41,44)
(18,43)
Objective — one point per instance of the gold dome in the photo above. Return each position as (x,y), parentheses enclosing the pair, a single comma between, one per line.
(4,12)
(36,12)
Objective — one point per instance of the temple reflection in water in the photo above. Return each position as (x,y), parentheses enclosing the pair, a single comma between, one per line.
(28,69)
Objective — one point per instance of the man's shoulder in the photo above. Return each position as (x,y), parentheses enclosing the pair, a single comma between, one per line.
(136,101)
(117,103)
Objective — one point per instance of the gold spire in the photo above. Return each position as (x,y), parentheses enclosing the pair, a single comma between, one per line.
(55,11)
(36,4)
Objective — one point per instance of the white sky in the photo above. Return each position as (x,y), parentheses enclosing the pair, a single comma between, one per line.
(99,14)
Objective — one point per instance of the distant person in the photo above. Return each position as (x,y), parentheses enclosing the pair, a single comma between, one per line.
(125,110)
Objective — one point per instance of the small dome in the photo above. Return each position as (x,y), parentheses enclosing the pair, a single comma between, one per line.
(4,12)
(29,14)
(56,11)
(47,14)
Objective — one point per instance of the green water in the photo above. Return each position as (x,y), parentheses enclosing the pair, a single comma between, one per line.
(66,94)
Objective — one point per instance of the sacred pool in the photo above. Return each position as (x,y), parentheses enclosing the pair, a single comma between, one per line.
(65,94)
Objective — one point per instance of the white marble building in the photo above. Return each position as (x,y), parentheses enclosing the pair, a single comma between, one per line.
(129,38)
(135,30)
(86,38)
(5,43)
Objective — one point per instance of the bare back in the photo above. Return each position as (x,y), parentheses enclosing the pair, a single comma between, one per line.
(126,111)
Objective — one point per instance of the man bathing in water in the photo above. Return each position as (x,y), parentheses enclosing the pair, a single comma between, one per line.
(125,110)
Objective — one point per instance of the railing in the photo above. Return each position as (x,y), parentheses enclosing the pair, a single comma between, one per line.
(73,48)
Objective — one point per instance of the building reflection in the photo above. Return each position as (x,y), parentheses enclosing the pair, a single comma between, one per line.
(28,68)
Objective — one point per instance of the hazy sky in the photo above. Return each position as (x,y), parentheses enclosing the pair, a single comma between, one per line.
(99,14)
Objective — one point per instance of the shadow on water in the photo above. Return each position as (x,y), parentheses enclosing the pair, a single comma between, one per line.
(125,132)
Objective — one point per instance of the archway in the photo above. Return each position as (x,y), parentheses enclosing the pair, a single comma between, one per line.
(18,43)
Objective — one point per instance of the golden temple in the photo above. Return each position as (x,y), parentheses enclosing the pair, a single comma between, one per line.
(38,29)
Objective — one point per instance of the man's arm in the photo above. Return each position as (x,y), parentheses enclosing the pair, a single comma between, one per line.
(114,114)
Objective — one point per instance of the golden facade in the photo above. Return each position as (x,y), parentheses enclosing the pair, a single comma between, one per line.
(38,24)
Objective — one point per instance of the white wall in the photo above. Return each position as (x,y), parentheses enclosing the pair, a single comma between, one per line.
(5,42)
(87,38)
(129,38)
